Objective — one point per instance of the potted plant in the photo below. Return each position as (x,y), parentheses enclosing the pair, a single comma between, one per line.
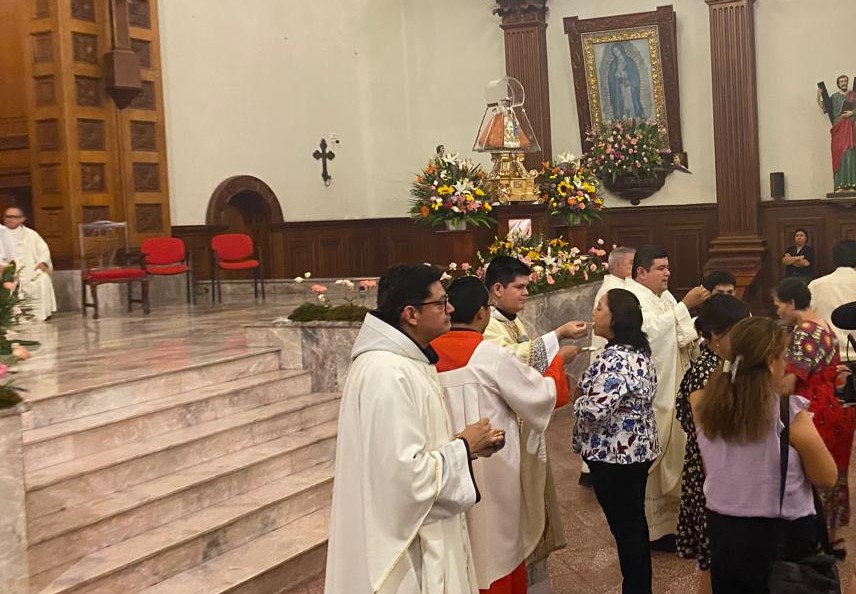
(570,190)
(625,155)
(451,191)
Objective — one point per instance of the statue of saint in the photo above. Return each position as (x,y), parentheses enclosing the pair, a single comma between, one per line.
(840,107)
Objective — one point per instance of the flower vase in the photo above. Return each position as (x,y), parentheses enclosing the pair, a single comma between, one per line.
(456,224)
(634,188)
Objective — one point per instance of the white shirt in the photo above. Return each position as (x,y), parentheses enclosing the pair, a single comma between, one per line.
(610,281)
(830,291)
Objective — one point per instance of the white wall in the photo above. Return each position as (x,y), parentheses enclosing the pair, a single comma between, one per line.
(695,89)
(251,86)
(798,46)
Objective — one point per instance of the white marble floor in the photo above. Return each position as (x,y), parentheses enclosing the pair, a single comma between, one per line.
(79,353)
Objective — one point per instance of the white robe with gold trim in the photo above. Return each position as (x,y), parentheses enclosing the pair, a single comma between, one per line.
(402,482)
(672,336)
(36,285)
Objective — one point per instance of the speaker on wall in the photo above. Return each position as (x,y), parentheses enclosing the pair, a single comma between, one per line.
(777,184)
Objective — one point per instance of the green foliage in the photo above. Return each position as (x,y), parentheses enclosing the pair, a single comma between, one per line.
(13,310)
(311,312)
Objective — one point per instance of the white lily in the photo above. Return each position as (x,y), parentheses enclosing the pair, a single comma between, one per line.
(464,187)
(565,157)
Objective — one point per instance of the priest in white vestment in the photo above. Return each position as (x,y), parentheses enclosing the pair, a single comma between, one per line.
(403,480)
(33,258)
(672,336)
(483,380)
(620,266)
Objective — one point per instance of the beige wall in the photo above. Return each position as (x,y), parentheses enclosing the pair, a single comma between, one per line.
(251,86)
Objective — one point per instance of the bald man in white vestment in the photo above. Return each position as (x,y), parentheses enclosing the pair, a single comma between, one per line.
(403,479)
(33,257)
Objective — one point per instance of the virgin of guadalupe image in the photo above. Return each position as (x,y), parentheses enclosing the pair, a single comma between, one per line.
(624,86)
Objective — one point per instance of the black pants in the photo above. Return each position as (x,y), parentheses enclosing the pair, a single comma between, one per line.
(742,550)
(620,490)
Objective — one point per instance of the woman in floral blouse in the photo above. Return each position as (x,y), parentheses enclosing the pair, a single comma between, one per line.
(615,431)
(718,315)
(812,368)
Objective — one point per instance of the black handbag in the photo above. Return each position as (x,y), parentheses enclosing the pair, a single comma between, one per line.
(817,573)
(847,393)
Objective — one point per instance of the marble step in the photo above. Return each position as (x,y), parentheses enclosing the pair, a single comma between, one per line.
(65,441)
(47,407)
(185,543)
(273,563)
(58,539)
(71,483)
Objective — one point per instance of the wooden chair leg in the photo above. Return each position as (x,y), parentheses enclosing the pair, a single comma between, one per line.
(144,288)
(93,288)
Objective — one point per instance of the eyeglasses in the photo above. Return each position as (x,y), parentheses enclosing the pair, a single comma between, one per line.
(443,301)
(5,216)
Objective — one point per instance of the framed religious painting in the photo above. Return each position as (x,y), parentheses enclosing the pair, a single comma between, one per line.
(626,67)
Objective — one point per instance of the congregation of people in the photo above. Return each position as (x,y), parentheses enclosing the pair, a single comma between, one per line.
(702,430)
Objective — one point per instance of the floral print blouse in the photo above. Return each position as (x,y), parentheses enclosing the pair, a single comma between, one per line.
(615,412)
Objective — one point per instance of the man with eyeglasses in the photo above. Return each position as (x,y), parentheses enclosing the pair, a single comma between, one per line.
(33,258)
(403,480)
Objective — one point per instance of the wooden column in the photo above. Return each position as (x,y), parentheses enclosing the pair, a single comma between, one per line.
(525,26)
(738,247)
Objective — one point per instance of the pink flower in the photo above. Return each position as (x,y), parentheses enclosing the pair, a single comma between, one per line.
(9,286)
(3,370)
(19,352)
(550,280)
(533,277)
(368,283)
(319,288)
(465,266)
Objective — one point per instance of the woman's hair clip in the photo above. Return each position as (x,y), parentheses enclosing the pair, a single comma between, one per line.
(734,367)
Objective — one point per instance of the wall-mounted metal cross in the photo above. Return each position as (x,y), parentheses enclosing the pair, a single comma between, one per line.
(325,156)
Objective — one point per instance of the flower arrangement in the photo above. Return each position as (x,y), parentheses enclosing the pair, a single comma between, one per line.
(322,308)
(555,263)
(13,310)
(451,189)
(625,147)
(570,189)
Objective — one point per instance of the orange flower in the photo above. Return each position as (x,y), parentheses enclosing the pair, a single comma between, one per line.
(423,210)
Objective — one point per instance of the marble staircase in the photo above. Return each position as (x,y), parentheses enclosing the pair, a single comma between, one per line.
(207,477)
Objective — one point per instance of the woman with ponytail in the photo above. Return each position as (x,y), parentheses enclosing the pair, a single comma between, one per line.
(738,423)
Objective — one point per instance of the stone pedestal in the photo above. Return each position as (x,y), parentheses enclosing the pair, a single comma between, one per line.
(14,571)
(322,348)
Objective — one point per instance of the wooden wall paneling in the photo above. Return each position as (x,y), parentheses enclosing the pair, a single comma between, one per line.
(300,254)
(331,256)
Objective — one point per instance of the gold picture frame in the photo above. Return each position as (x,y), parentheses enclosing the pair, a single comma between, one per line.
(626,66)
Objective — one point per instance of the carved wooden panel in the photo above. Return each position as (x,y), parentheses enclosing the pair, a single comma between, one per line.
(146,177)
(84,47)
(90,135)
(49,175)
(146,98)
(45,91)
(92,177)
(149,218)
(143,136)
(139,14)
(83,10)
(87,91)
(331,255)
(42,47)
(47,135)
(50,222)
(95,213)
(41,9)
(143,49)
(300,256)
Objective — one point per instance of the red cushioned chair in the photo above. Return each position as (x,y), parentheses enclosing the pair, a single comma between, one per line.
(235,251)
(106,259)
(167,256)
